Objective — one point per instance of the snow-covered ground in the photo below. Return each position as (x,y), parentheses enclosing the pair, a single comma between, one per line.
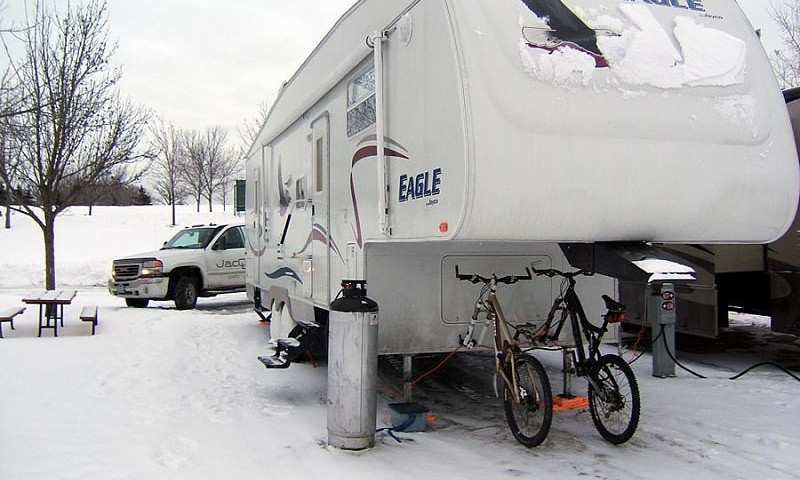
(164,394)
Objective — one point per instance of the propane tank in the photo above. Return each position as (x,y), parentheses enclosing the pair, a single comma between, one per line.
(352,368)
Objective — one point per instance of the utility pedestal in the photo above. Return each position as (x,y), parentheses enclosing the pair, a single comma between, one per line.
(662,308)
(352,368)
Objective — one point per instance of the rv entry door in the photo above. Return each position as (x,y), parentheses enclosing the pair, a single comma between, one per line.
(322,247)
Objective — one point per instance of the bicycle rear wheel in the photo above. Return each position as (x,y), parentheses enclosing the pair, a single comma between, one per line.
(615,407)
(530,418)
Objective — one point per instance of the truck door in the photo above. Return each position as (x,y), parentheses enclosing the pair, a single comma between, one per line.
(322,246)
(225,263)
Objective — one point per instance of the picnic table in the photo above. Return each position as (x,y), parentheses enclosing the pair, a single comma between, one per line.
(51,307)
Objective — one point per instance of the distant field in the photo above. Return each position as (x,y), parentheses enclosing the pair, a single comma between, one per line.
(86,245)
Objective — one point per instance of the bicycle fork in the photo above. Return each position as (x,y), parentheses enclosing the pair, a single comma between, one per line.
(469,340)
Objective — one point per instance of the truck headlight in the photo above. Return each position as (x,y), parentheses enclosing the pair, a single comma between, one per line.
(153,268)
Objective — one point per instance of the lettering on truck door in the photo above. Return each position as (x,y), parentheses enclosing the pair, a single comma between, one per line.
(225,264)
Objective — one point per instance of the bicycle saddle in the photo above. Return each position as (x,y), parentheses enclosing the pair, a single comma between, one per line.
(612,304)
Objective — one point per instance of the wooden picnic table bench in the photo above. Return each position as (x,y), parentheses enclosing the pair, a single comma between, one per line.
(89,314)
(8,315)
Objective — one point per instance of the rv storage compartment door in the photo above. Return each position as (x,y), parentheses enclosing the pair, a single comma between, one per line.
(525,301)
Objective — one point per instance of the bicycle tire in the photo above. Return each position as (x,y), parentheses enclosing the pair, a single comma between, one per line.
(530,419)
(617,418)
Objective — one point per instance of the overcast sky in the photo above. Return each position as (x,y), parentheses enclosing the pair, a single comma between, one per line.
(200,63)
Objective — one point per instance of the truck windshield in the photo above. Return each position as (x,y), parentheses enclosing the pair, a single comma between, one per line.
(191,238)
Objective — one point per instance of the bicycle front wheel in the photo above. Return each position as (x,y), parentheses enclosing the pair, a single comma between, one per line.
(530,412)
(614,404)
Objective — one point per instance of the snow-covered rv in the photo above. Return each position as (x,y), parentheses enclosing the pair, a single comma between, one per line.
(421,135)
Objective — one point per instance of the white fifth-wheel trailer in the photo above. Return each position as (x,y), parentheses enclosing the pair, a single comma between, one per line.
(493,135)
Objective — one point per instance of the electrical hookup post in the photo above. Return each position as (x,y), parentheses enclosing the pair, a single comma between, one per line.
(352,368)
(662,305)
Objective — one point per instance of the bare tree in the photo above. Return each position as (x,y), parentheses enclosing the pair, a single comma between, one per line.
(207,161)
(170,153)
(192,165)
(787,61)
(216,152)
(230,169)
(249,129)
(75,131)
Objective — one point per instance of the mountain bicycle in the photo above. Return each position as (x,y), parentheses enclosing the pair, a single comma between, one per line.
(527,398)
(613,391)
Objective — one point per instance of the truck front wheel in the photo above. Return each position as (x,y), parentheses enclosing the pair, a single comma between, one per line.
(137,302)
(185,293)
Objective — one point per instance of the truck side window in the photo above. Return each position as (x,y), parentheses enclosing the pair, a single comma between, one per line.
(237,238)
(231,239)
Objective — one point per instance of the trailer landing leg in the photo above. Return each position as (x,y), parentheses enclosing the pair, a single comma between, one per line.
(566,400)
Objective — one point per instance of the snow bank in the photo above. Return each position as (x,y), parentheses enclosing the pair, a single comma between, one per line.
(86,245)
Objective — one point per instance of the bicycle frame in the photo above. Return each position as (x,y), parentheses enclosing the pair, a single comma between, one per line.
(505,348)
(582,330)
(600,371)
(580,325)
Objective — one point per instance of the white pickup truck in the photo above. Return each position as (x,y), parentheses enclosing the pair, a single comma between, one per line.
(199,261)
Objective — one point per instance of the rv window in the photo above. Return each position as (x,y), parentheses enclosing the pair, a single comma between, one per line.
(361,87)
(300,188)
(361,102)
(319,166)
(361,116)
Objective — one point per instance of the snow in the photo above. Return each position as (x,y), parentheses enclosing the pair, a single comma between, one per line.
(641,52)
(167,394)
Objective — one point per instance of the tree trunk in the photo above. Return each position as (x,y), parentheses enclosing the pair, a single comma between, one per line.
(172,200)
(49,251)
(8,208)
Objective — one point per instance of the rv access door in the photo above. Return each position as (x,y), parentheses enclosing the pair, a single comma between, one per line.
(323,246)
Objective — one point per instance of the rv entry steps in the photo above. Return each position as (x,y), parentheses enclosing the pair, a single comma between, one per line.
(281,358)
(275,361)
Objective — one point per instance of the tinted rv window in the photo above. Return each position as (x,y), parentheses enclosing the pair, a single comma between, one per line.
(361,102)
(361,87)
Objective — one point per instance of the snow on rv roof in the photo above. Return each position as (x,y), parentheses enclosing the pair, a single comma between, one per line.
(641,51)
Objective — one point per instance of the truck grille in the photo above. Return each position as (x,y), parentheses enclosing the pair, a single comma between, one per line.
(126,271)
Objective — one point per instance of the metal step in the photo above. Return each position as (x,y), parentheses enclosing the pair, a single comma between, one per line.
(281,357)
(275,361)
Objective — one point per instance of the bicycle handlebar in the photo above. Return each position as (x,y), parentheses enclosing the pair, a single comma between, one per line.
(552,272)
(508,279)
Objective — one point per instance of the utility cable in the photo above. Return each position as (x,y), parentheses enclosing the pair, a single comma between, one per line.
(785,370)
(666,347)
(412,418)
(636,343)
(399,428)
(735,377)
(396,393)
